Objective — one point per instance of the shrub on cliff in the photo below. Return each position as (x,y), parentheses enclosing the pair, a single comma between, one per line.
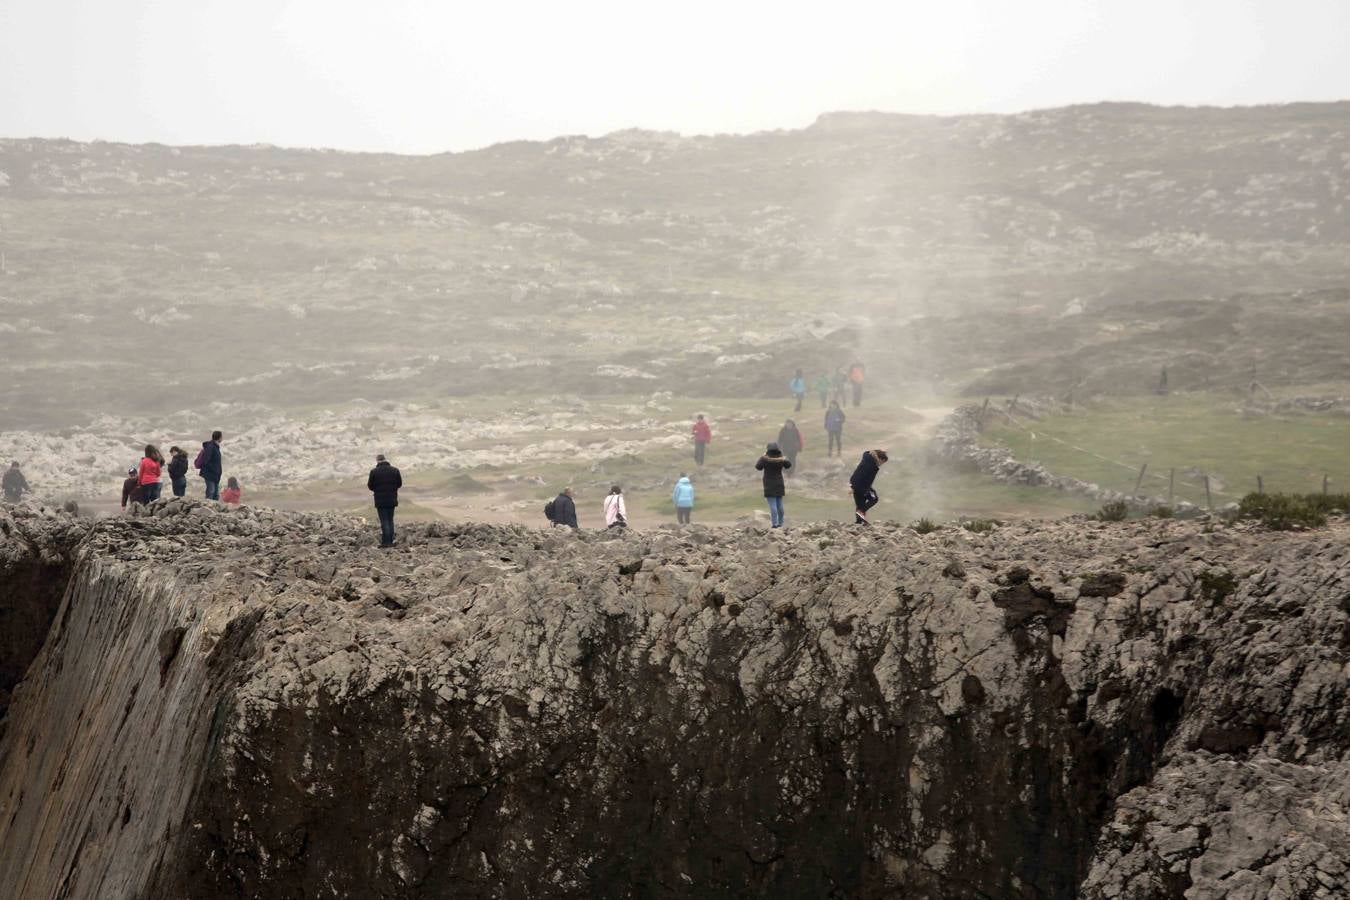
(1115,511)
(1286,512)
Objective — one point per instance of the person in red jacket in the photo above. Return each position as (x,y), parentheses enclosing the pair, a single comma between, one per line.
(149,473)
(231,494)
(702,438)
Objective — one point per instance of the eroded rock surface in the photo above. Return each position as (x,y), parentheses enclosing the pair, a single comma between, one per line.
(243,703)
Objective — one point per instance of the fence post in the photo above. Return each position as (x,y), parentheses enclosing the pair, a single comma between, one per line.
(983,411)
(1209,501)
(1138,482)
(1324,484)
(1260,485)
(1171,485)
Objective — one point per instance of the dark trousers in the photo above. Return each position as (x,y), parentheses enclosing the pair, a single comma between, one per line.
(700,450)
(857,395)
(212,489)
(386,514)
(150,492)
(180,486)
(836,442)
(682,514)
(865,499)
(800,398)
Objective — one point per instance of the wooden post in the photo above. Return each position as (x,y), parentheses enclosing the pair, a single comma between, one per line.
(1324,484)
(1209,501)
(1171,485)
(1260,485)
(983,411)
(1138,482)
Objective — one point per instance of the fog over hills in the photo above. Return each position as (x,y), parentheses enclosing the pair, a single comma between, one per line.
(148,278)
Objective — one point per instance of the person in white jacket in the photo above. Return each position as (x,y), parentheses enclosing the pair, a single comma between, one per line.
(616,514)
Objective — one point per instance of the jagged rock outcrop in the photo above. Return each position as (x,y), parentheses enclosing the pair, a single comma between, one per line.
(243,703)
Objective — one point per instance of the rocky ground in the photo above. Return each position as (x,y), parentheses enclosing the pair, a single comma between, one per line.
(247,703)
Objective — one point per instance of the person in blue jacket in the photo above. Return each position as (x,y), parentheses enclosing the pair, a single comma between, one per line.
(798,387)
(683,497)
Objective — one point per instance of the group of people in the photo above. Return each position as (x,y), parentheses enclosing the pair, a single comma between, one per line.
(831,388)
(144,482)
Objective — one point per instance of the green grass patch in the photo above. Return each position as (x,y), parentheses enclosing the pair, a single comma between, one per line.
(1191,434)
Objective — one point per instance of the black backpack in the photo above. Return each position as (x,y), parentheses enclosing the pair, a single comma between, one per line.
(549,509)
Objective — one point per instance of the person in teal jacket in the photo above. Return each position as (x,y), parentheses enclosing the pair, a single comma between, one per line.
(683,497)
(798,387)
(822,387)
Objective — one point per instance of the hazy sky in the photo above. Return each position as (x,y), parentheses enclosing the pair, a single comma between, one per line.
(431,75)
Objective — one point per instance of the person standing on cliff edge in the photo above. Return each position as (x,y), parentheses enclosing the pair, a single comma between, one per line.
(384,482)
(864,497)
(15,484)
(210,464)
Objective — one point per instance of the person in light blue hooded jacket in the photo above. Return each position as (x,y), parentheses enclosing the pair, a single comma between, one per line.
(798,387)
(683,497)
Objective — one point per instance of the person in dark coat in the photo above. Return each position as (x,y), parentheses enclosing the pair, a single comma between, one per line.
(131,488)
(211,465)
(864,497)
(384,482)
(790,442)
(834,429)
(773,464)
(178,466)
(15,485)
(565,509)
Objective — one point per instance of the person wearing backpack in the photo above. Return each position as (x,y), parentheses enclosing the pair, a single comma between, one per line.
(798,387)
(178,466)
(683,498)
(773,464)
(562,510)
(616,513)
(856,373)
(384,481)
(210,464)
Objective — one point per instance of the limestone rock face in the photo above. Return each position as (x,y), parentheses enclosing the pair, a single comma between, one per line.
(243,703)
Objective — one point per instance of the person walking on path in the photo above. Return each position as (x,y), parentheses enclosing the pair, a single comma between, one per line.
(822,387)
(702,438)
(210,463)
(791,442)
(798,387)
(564,509)
(384,481)
(864,497)
(616,513)
(773,464)
(834,429)
(856,374)
(683,498)
(14,484)
(151,464)
(131,487)
(840,386)
(178,466)
(231,494)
